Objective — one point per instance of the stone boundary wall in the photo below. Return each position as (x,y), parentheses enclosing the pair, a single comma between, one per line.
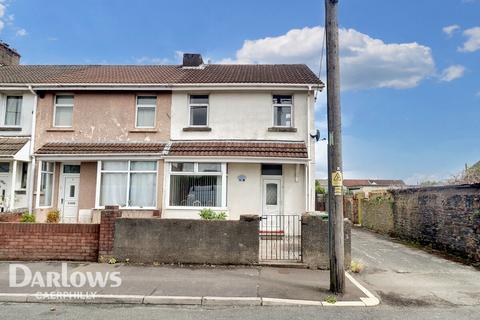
(187,241)
(447,217)
(41,241)
(315,242)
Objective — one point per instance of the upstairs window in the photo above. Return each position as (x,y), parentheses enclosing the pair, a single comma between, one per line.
(63,111)
(146,111)
(198,110)
(282,111)
(13,111)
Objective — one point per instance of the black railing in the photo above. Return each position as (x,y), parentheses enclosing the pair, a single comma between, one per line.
(280,238)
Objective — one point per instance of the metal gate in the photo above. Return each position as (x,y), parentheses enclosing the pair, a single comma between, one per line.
(280,238)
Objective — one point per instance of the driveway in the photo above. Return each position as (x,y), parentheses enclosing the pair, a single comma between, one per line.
(405,276)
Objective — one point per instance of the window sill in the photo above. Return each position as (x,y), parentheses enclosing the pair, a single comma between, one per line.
(143,130)
(10,128)
(189,129)
(282,129)
(59,130)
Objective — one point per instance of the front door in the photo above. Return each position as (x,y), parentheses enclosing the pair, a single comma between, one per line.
(69,200)
(4,186)
(272,203)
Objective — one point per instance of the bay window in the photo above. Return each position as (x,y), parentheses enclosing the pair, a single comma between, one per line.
(46,184)
(128,183)
(197,184)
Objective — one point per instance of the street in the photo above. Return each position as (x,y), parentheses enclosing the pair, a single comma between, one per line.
(412,284)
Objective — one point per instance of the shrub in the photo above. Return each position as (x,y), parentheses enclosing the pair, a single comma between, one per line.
(209,214)
(53,216)
(27,217)
(356,267)
(318,188)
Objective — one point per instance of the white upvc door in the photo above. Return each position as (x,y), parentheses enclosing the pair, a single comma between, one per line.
(272,204)
(69,198)
(4,191)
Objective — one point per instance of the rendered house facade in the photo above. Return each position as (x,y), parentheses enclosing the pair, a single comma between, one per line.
(171,140)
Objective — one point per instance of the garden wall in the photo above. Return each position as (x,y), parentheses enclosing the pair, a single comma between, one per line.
(187,241)
(39,241)
(315,242)
(447,218)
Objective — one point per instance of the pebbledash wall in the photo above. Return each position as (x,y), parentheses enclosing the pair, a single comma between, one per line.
(447,218)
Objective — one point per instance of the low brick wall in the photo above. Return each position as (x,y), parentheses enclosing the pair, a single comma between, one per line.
(447,218)
(39,241)
(10,216)
(187,241)
(315,242)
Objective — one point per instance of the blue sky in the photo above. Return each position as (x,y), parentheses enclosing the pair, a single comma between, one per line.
(410,69)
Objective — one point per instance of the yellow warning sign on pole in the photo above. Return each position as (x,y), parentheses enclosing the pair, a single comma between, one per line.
(337,179)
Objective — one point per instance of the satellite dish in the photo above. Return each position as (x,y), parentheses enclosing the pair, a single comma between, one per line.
(315,134)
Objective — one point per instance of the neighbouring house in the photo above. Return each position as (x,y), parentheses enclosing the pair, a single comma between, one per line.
(354,186)
(171,139)
(17,104)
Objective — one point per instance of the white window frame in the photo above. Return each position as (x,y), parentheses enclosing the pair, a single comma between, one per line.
(39,180)
(62,105)
(275,105)
(195,172)
(128,171)
(4,113)
(190,105)
(144,106)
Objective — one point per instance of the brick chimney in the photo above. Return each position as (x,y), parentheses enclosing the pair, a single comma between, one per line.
(8,56)
(192,60)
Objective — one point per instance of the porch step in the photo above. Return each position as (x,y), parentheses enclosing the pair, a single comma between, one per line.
(283,264)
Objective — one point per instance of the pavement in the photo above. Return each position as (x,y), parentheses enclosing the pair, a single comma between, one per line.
(406,276)
(188,285)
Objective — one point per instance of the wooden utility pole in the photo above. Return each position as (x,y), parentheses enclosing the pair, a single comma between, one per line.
(335,175)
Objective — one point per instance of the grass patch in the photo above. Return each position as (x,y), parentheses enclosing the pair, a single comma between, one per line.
(356,267)
(330,299)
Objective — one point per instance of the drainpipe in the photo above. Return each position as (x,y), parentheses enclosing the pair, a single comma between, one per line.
(31,171)
(308,171)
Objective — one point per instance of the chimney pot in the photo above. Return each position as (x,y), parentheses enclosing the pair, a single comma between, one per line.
(192,60)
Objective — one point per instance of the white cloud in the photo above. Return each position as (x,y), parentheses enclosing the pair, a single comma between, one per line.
(449,30)
(451,73)
(473,40)
(21,33)
(2,9)
(365,62)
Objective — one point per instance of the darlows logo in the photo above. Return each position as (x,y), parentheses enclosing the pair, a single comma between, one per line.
(20,275)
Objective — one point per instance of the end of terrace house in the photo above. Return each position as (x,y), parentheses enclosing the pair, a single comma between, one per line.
(164,140)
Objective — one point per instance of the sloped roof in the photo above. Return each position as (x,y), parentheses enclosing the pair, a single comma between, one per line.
(239,149)
(100,148)
(10,146)
(158,74)
(371,183)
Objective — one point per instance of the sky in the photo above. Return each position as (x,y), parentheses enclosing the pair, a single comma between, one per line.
(410,70)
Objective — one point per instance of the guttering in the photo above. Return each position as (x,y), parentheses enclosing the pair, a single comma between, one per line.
(236,159)
(32,149)
(164,86)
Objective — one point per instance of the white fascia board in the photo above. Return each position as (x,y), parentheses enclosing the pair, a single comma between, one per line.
(160,86)
(236,159)
(96,157)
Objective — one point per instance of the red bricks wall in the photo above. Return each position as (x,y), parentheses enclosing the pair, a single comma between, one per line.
(107,229)
(39,241)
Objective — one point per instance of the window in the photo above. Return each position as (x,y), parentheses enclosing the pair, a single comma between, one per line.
(271,169)
(196,184)
(128,183)
(46,184)
(23,181)
(4,167)
(199,110)
(71,168)
(63,111)
(282,111)
(13,111)
(271,194)
(146,111)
